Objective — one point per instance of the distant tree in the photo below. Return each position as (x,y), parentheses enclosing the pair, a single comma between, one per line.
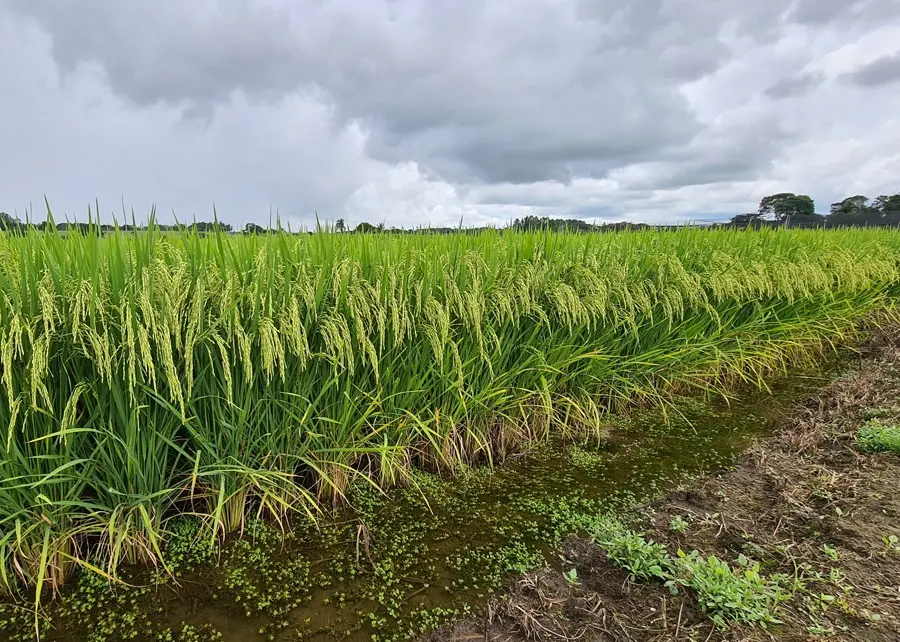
(888,208)
(206,226)
(253,228)
(851,205)
(365,227)
(9,223)
(779,207)
(745,220)
(531,222)
(340,226)
(854,210)
(885,204)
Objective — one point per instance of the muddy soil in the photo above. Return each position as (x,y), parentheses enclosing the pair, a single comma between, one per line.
(805,502)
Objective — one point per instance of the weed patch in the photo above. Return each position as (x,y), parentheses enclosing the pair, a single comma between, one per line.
(631,551)
(875,436)
(731,595)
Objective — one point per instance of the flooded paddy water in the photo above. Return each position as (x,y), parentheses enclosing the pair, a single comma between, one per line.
(400,565)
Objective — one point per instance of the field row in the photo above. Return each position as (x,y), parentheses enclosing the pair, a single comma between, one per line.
(149,374)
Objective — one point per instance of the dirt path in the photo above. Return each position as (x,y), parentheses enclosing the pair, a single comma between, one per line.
(806,504)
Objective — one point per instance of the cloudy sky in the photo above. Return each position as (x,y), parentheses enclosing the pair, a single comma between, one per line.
(417,112)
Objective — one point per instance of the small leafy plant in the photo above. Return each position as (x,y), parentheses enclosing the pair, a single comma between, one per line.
(678,524)
(187,546)
(629,550)
(875,436)
(727,595)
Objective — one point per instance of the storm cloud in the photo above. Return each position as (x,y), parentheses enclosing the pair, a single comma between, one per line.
(412,112)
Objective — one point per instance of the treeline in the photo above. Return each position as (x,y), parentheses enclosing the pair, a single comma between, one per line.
(777,210)
(11,223)
(783,209)
(579,225)
(798,210)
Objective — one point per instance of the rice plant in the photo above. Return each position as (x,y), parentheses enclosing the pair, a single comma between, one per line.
(150,374)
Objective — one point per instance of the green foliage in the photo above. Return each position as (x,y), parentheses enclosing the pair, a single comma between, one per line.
(629,550)
(265,374)
(187,547)
(784,205)
(887,204)
(9,223)
(875,436)
(16,622)
(728,595)
(111,609)
(492,565)
(678,524)
(854,210)
(258,575)
(739,595)
(585,458)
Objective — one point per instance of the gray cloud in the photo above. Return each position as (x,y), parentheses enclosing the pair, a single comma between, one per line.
(793,86)
(474,92)
(360,106)
(882,71)
(823,12)
(820,11)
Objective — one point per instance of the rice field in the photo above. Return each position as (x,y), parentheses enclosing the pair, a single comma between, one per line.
(148,374)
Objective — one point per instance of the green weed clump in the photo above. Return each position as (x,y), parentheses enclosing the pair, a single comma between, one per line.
(149,373)
(875,436)
(629,550)
(729,595)
(187,545)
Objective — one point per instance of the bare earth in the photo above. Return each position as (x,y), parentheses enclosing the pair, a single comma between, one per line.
(805,502)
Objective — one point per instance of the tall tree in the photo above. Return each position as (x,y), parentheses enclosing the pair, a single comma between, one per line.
(340,226)
(885,204)
(849,206)
(778,207)
(854,210)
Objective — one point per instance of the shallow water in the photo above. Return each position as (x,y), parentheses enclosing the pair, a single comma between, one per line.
(404,564)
